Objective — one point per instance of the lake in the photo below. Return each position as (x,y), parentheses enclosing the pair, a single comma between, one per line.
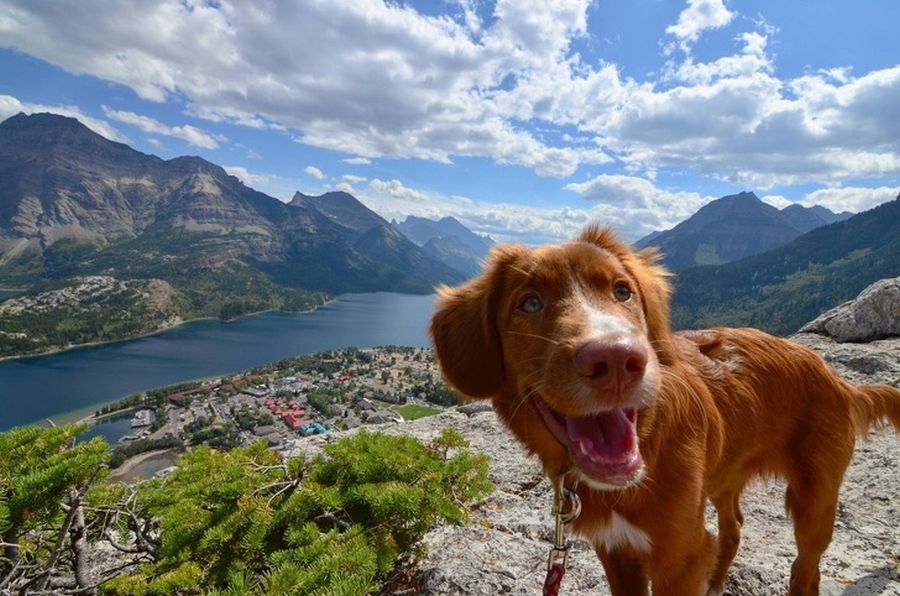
(65,385)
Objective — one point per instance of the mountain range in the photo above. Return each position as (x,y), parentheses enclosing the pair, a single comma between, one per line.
(781,289)
(735,227)
(74,203)
(448,241)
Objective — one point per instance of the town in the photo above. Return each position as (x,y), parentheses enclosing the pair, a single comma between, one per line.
(284,402)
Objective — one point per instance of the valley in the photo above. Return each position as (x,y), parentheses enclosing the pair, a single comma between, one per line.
(77,208)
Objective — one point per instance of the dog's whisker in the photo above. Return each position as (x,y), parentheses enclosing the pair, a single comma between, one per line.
(522,333)
(525,397)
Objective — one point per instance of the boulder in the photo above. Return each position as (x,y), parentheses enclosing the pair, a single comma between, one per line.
(874,314)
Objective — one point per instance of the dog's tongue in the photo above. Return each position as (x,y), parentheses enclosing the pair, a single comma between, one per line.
(609,436)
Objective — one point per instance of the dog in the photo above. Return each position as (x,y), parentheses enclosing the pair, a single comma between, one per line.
(573,344)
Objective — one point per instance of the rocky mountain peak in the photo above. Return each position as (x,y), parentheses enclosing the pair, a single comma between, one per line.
(52,138)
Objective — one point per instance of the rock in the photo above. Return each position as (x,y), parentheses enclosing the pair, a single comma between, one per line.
(874,314)
(474,407)
(873,362)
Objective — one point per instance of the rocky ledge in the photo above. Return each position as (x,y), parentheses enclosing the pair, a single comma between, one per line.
(874,314)
(503,549)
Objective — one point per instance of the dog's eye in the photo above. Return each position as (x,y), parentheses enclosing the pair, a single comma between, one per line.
(622,293)
(531,305)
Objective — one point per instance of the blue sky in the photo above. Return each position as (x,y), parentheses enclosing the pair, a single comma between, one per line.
(525,120)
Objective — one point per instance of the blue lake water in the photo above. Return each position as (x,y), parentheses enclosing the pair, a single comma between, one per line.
(4,294)
(80,380)
(111,429)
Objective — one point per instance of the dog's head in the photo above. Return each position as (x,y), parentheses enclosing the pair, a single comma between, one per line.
(568,340)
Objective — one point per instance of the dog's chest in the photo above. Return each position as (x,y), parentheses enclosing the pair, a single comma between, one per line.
(618,532)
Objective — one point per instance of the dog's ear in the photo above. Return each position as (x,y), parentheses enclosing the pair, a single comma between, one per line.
(656,292)
(464,329)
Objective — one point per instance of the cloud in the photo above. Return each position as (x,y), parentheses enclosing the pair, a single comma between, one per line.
(405,84)
(699,16)
(777,201)
(314,172)
(401,83)
(853,199)
(850,198)
(10,106)
(353,179)
(617,201)
(247,177)
(636,206)
(357,161)
(502,221)
(348,182)
(191,134)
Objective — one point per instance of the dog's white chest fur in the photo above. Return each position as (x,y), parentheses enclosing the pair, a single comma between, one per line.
(620,532)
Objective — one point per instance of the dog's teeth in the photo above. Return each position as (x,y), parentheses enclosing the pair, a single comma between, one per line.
(584,444)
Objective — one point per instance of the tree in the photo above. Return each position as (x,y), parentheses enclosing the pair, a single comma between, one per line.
(43,482)
(249,522)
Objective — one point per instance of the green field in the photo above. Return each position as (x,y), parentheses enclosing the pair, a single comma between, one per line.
(414,412)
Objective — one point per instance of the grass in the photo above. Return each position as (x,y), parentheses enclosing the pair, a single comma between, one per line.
(414,412)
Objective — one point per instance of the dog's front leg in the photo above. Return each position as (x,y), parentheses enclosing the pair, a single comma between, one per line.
(625,572)
(683,567)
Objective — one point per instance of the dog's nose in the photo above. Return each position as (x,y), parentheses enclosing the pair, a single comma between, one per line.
(618,360)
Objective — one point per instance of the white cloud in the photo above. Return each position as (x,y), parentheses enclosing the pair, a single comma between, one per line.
(777,201)
(636,206)
(623,208)
(191,134)
(10,106)
(353,179)
(401,84)
(853,199)
(699,16)
(155,142)
(408,85)
(247,177)
(314,172)
(357,161)
(348,182)
(838,199)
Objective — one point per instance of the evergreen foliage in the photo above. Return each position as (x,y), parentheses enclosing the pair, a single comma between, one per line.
(246,521)
(41,476)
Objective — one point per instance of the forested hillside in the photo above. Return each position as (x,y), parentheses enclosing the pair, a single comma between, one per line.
(781,289)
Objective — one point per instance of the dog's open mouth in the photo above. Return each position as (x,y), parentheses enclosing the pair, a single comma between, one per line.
(604,446)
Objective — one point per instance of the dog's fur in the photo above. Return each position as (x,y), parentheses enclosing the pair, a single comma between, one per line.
(714,408)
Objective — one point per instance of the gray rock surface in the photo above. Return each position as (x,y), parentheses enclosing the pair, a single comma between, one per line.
(503,548)
(874,314)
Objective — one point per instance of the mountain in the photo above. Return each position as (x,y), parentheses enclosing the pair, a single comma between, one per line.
(734,227)
(806,219)
(783,288)
(448,241)
(390,256)
(73,203)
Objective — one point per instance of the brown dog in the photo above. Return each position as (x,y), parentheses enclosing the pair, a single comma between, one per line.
(573,343)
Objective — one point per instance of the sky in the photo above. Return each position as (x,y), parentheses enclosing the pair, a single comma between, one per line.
(525,120)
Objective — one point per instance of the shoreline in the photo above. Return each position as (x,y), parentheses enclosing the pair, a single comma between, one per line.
(92,344)
(132,462)
(93,418)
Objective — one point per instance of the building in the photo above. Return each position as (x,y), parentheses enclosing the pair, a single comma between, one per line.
(143,418)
